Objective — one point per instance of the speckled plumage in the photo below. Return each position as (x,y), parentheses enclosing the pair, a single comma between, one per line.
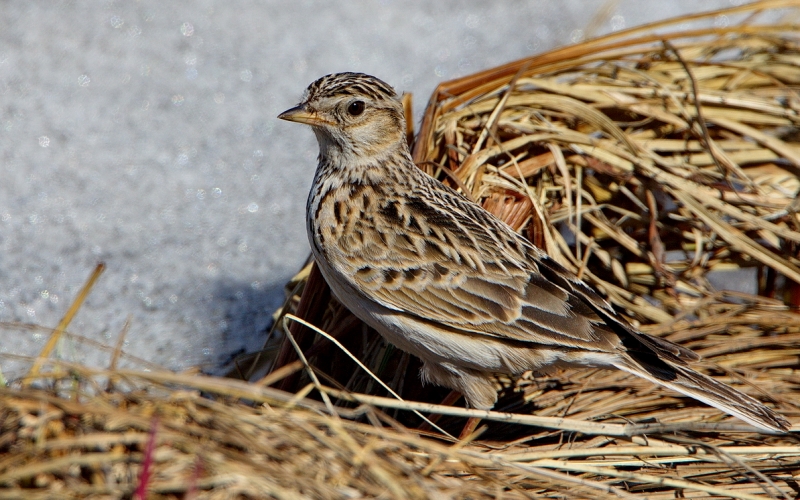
(443,279)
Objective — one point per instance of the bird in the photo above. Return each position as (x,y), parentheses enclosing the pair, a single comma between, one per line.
(448,282)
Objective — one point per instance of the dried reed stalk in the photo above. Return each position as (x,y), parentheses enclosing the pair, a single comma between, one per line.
(649,161)
(653,163)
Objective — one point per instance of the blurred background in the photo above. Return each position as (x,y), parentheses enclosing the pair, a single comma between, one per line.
(143,134)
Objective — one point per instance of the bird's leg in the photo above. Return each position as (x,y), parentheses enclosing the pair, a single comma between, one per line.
(448,400)
(469,428)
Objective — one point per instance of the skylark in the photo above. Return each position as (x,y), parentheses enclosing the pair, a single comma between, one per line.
(445,280)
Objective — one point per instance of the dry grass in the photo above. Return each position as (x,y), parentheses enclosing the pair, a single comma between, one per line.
(651,162)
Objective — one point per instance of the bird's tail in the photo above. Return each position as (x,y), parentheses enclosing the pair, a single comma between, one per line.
(702,388)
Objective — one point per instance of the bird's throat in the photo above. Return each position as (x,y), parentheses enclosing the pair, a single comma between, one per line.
(347,167)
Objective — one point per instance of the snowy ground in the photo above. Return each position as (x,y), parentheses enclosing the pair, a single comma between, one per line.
(143,134)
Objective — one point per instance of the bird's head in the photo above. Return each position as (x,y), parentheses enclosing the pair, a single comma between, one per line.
(356,117)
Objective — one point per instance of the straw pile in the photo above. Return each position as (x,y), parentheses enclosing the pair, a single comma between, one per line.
(651,162)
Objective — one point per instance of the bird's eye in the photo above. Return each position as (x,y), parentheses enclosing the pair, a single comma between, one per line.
(355,108)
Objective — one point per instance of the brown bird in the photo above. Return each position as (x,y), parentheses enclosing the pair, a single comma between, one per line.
(443,279)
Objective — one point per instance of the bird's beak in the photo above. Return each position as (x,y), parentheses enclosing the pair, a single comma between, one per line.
(300,114)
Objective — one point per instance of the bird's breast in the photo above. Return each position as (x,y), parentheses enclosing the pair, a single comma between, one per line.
(344,225)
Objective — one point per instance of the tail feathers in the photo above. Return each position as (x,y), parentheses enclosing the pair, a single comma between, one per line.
(709,391)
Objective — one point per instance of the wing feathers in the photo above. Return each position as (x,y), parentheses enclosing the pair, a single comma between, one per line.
(468,274)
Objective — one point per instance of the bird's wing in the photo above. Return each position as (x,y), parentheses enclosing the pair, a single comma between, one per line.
(448,261)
